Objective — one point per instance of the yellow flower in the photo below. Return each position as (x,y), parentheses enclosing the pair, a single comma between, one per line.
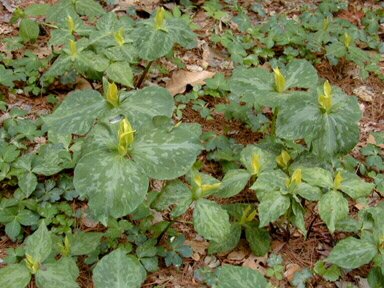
(296,177)
(126,136)
(71,24)
(119,37)
(325,100)
(279,80)
(112,94)
(347,40)
(160,19)
(338,180)
(31,264)
(256,164)
(283,159)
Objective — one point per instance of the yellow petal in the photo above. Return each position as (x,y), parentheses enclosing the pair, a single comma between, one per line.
(283,159)
(296,176)
(119,37)
(126,136)
(325,100)
(338,180)
(112,94)
(279,80)
(73,48)
(71,24)
(210,187)
(347,40)
(160,18)
(256,164)
(327,89)
(198,180)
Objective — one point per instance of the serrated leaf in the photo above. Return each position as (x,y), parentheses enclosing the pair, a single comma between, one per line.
(117,270)
(39,244)
(77,113)
(14,276)
(60,274)
(272,206)
(351,253)
(120,72)
(211,221)
(333,207)
(258,239)
(229,243)
(28,30)
(114,185)
(230,276)
(233,183)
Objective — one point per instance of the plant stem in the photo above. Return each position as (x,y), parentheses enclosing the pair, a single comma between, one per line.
(143,75)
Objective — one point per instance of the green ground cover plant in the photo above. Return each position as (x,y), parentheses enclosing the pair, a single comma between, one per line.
(102,150)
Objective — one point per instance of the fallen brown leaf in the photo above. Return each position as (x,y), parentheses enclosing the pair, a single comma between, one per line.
(291,270)
(180,79)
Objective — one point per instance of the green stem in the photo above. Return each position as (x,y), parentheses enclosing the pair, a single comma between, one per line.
(143,75)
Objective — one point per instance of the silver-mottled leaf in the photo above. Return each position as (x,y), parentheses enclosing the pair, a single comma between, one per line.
(351,253)
(267,159)
(301,74)
(14,276)
(258,239)
(114,185)
(269,181)
(233,183)
(211,221)
(117,270)
(77,113)
(229,243)
(272,206)
(308,192)
(39,244)
(354,186)
(60,274)
(230,276)
(83,243)
(333,207)
(317,177)
(164,154)
(120,72)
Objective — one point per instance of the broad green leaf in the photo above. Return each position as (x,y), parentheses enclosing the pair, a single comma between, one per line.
(308,192)
(152,43)
(272,206)
(181,33)
(62,64)
(229,243)
(113,184)
(60,9)
(27,183)
(266,160)
(376,278)
(258,239)
(120,72)
(60,274)
(317,177)
(230,276)
(51,159)
(14,276)
(37,10)
(144,104)
(83,243)
(351,253)
(174,193)
(331,273)
(164,154)
(301,74)
(89,60)
(28,30)
(269,181)
(39,244)
(27,217)
(354,186)
(211,221)
(117,270)
(12,229)
(330,133)
(333,207)
(297,217)
(77,113)
(89,8)
(233,183)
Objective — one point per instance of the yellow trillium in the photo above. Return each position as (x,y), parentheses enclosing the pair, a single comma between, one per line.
(347,40)
(32,265)
(71,24)
(256,164)
(325,100)
(73,48)
(112,94)
(160,19)
(283,159)
(338,180)
(296,177)
(119,37)
(205,187)
(279,80)
(126,136)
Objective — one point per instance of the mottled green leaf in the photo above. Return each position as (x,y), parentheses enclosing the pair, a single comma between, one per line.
(113,184)
(27,183)
(227,244)
(266,159)
(258,239)
(308,192)
(77,113)
(83,243)
(230,276)
(211,221)
(60,274)
(89,8)
(317,177)
(272,206)
(117,270)
(269,181)
(164,154)
(233,183)
(120,72)
(14,276)
(181,33)
(12,229)
(39,244)
(354,186)
(331,273)
(29,30)
(351,253)
(333,207)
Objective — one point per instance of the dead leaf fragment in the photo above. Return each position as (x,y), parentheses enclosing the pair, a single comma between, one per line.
(180,79)
(364,93)
(236,255)
(291,270)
